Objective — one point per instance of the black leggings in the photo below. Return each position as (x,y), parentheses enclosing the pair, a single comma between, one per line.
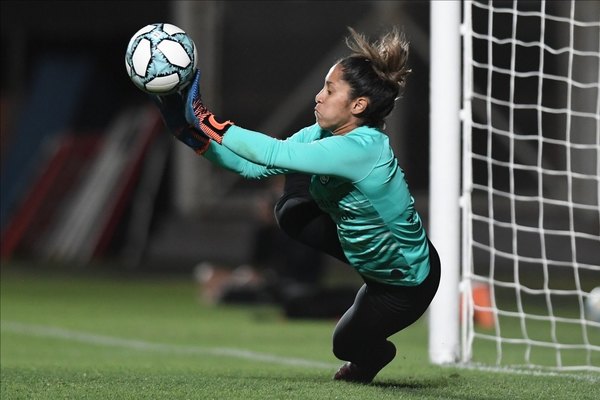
(379,310)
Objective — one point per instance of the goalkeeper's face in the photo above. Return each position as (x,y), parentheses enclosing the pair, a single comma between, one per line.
(335,111)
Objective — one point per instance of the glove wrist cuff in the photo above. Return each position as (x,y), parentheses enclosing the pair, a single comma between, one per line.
(215,130)
(193,139)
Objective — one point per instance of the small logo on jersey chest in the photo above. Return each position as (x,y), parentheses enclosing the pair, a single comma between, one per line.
(323,179)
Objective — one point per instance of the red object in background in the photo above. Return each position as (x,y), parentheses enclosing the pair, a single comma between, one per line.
(59,174)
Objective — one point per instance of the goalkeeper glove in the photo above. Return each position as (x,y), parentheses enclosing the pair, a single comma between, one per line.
(200,117)
(172,110)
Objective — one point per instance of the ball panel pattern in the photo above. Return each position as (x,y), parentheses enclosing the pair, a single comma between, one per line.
(161,58)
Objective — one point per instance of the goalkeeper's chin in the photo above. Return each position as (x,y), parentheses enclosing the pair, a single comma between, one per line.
(318,121)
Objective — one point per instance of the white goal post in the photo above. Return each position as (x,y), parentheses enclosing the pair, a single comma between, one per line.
(444,176)
(514,204)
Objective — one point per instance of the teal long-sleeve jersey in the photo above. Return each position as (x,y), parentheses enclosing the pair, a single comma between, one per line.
(356,179)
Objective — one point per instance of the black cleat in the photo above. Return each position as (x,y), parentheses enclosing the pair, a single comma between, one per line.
(350,372)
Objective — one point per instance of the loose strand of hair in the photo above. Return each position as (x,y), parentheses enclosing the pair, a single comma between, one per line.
(389,55)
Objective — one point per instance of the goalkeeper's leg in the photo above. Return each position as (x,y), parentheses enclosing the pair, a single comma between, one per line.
(378,312)
(360,337)
(299,216)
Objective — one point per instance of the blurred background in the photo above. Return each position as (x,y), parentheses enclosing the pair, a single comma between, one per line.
(88,172)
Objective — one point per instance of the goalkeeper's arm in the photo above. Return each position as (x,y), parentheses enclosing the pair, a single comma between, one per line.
(172,111)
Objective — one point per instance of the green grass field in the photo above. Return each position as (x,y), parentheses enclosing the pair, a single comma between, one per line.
(101,336)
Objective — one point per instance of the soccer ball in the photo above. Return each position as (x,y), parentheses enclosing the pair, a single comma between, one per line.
(161,59)
(592,305)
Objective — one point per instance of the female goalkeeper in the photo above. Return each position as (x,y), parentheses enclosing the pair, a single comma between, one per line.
(345,193)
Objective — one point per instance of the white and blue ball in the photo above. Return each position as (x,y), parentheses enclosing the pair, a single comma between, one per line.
(161,59)
(592,305)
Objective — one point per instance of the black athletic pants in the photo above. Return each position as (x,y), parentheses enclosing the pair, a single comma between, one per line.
(379,310)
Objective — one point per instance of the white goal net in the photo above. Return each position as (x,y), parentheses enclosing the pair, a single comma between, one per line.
(531,184)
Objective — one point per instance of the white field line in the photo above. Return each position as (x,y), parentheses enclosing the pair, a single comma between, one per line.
(141,345)
(583,376)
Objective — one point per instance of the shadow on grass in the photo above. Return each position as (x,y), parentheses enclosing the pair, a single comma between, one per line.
(399,385)
(443,386)
(415,383)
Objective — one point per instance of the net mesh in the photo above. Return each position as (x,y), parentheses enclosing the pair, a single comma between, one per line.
(531,183)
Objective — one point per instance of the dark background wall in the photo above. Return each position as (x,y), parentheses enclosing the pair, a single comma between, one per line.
(268,46)
(267,49)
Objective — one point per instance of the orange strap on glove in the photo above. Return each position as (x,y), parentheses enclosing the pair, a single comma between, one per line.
(200,117)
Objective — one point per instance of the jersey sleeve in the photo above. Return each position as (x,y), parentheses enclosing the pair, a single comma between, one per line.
(227,159)
(344,156)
